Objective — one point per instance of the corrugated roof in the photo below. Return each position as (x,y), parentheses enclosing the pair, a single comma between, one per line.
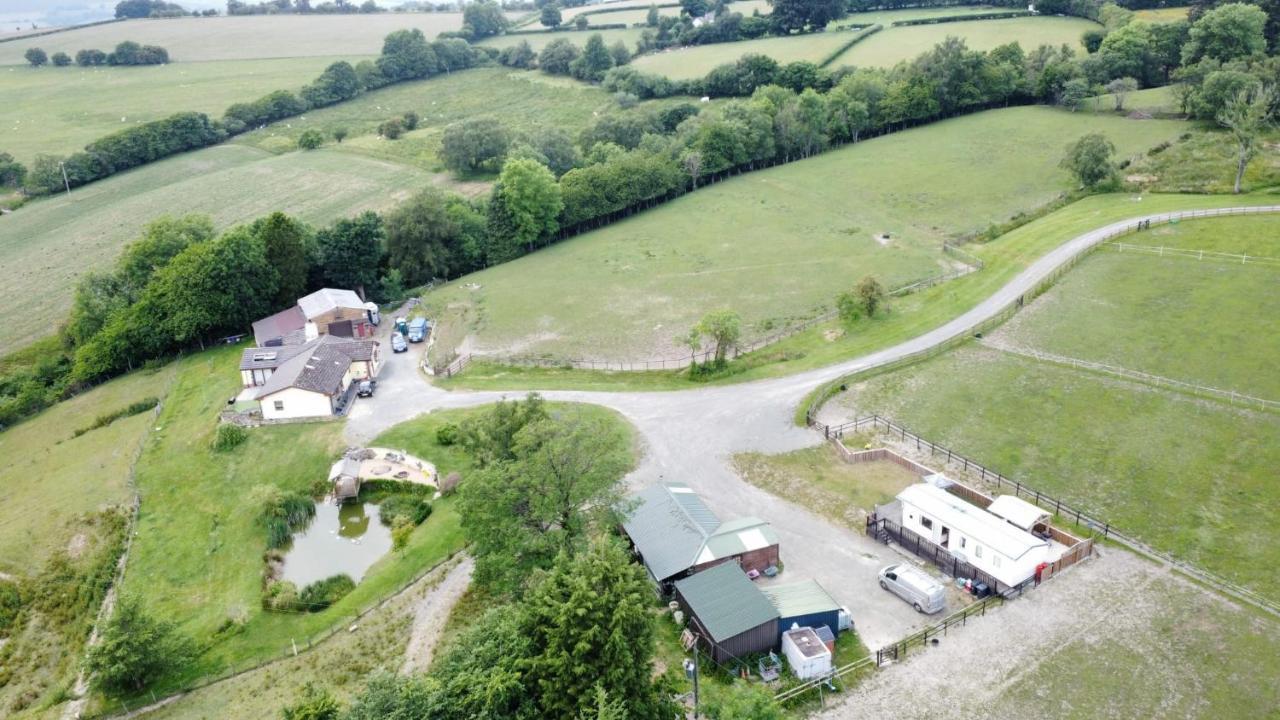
(725,601)
(735,537)
(669,527)
(326,299)
(982,526)
(800,598)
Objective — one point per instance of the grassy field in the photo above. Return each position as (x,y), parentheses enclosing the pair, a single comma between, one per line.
(1211,323)
(1189,476)
(629,36)
(889,17)
(242,37)
(893,45)
(1205,161)
(56,240)
(59,110)
(907,317)
(52,478)
(801,233)
(697,61)
(1161,15)
(641,12)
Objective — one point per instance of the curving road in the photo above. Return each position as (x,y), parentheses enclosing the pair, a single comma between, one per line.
(690,435)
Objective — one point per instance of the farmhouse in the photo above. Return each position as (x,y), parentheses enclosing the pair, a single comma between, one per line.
(728,612)
(323,312)
(987,541)
(676,534)
(310,380)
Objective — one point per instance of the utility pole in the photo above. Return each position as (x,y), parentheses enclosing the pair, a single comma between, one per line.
(65,181)
(691,672)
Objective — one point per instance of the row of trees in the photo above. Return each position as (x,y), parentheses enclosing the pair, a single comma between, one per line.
(130,9)
(300,7)
(126,53)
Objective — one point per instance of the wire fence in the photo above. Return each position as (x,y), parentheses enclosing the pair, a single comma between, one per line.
(1164,251)
(970,264)
(1049,503)
(1231,396)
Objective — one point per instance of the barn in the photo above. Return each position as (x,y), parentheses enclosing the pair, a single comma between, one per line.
(728,612)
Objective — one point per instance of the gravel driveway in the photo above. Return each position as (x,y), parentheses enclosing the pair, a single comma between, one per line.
(690,436)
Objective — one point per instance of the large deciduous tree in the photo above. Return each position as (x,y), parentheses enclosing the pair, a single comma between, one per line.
(1089,159)
(798,15)
(284,241)
(528,200)
(406,55)
(422,237)
(1247,116)
(474,144)
(484,17)
(594,62)
(350,251)
(1225,33)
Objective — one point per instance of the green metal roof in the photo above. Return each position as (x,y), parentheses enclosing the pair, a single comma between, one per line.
(669,527)
(725,601)
(800,598)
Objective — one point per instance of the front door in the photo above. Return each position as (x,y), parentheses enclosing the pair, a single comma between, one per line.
(946,536)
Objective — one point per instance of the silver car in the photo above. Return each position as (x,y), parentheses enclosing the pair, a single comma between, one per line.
(397,343)
(916,586)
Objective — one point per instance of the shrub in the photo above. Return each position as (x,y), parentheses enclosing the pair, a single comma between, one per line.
(10,604)
(281,596)
(60,59)
(391,129)
(410,508)
(400,533)
(316,703)
(411,120)
(281,513)
(135,649)
(447,434)
(310,139)
(340,134)
(322,593)
(449,484)
(36,57)
(130,410)
(228,437)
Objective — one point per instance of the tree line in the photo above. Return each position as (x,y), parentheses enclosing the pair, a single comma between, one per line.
(126,53)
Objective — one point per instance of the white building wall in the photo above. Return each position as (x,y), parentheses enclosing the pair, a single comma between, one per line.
(296,403)
(1007,570)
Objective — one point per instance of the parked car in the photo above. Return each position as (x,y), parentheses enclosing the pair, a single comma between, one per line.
(365,388)
(402,325)
(418,330)
(916,586)
(397,343)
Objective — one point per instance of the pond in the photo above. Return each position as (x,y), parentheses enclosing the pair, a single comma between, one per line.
(342,539)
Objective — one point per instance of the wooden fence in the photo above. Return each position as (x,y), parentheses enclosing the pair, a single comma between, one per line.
(880,454)
(1163,251)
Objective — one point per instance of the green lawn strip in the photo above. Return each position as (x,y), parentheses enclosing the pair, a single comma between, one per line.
(51,478)
(777,245)
(60,110)
(1186,475)
(907,317)
(1211,323)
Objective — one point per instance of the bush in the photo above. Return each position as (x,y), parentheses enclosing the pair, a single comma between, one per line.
(135,649)
(447,434)
(281,596)
(400,533)
(316,703)
(228,437)
(408,508)
(281,513)
(340,134)
(61,59)
(391,129)
(310,139)
(321,594)
(411,120)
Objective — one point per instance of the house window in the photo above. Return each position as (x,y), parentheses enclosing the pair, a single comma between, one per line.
(926,522)
(977,551)
(279,405)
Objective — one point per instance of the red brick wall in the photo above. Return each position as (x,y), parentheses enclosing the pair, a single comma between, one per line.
(756,560)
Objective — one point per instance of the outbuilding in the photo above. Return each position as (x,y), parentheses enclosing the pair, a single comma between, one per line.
(728,612)
(805,604)
(806,653)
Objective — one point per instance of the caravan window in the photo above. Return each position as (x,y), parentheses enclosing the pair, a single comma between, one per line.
(279,405)
(995,560)
(977,551)
(926,522)
(962,541)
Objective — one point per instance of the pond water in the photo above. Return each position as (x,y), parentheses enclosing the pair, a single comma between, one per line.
(342,539)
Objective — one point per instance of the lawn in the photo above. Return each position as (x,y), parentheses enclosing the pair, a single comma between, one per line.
(51,478)
(1161,15)
(539,40)
(779,244)
(818,478)
(1190,476)
(60,110)
(50,243)
(695,62)
(907,317)
(893,45)
(242,37)
(1211,323)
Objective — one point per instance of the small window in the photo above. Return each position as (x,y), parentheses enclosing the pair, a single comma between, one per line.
(926,522)
(962,542)
(279,405)
(977,551)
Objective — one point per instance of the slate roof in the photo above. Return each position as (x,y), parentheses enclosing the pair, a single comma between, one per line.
(725,601)
(326,299)
(800,598)
(674,530)
(279,326)
(318,365)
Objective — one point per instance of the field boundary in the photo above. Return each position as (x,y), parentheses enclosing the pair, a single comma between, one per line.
(1095,238)
(994,15)
(862,33)
(1159,381)
(1163,251)
(1050,503)
(456,365)
(55,31)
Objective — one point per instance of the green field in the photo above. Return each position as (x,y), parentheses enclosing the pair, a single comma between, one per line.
(539,40)
(51,478)
(241,37)
(58,239)
(893,45)
(1161,15)
(695,62)
(60,110)
(1211,323)
(889,17)
(780,243)
(641,13)
(1205,161)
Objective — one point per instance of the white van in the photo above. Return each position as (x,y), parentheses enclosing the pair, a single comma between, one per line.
(916,586)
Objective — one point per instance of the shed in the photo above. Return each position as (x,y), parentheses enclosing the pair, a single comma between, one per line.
(728,612)
(805,604)
(1020,513)
(807,655)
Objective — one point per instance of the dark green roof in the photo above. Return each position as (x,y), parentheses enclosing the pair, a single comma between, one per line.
(725,601)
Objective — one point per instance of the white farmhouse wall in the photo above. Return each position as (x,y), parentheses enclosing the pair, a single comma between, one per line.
(1008,570)
(297,403)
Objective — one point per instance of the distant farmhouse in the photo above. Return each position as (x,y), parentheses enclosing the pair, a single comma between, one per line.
(677,535)
(310,357)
